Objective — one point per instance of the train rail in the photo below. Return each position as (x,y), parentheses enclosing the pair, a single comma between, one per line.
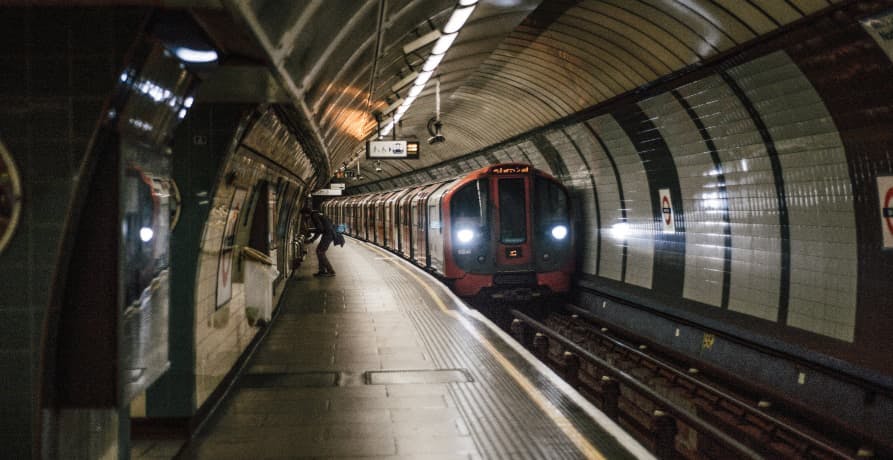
(669,409)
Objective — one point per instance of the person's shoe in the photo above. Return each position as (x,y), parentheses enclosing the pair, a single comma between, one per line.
(327,274)
(320,274)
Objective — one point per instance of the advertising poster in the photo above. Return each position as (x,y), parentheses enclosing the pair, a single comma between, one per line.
(225,262)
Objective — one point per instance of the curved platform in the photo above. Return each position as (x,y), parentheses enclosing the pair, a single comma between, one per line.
(383,361)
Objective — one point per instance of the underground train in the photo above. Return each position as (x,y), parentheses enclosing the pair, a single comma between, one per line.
(503,231)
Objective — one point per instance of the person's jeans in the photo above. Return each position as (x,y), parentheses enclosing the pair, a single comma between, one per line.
(321,248)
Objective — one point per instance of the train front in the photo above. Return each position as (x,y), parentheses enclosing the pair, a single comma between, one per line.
(510,234)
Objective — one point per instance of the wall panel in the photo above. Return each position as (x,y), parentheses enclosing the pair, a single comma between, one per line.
(639,230)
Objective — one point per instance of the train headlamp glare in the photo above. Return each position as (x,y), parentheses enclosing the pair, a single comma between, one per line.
(146,234)
(559,232)
(465,235)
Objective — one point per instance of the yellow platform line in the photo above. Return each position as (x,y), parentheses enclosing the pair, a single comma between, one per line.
(565,425)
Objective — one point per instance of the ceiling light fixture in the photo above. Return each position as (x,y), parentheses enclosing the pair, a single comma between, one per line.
(432,62)
(445,39)
(423,78)
(444,43)
(195,56)
(460,15)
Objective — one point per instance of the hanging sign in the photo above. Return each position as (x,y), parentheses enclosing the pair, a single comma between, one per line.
(667,219)
(384,150)
(885,194)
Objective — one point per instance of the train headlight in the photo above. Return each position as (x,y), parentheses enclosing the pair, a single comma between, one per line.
(465,235)
(559,232)
(146,234)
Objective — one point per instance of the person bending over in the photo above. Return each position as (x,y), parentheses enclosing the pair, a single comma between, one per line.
(322,227)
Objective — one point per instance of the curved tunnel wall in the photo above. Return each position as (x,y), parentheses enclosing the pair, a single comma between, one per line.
(769,162)
(267,172)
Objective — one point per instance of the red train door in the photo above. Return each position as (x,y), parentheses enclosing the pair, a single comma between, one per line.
(512,231)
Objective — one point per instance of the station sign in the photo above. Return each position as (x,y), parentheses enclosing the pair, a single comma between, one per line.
(392,149)
(885,195)
(667,219)
(328,192)
(337,185)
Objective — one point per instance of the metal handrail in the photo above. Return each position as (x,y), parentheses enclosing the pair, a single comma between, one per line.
(697,423)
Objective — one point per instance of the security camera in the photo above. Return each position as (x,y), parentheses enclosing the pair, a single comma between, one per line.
(434,127)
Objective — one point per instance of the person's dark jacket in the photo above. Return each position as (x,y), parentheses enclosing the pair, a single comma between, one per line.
(322,226)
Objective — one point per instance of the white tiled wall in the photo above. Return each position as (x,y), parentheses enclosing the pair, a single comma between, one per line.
(536,158)
(819,196)
(221,335)
(701,200)
(753,209)
(611,262)
(502,155)
(581,181)
(637,196)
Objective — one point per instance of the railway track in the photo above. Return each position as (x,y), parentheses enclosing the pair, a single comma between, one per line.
(675,409)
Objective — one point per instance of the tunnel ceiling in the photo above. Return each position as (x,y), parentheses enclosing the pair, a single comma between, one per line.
(515,66)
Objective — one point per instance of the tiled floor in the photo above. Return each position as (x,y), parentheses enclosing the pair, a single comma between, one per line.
(311,389)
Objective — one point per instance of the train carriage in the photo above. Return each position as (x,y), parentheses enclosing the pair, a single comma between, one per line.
(504,230)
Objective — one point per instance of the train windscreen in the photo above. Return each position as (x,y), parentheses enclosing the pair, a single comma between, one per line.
(512,211)
(551,209)
(469,209)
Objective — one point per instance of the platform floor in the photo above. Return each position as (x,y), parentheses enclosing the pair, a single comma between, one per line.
(382,361)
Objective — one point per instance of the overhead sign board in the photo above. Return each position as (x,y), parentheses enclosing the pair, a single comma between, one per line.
(510,169)
(327,192)
(337,185)
(391,149)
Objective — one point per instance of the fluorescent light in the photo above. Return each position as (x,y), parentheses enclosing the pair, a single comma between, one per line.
(405,81)
(432,62)
(415,90)
(421,41)
(195,56)
(457,19)
(443,44)
(467,2)
(423,78)
(402,110)
(409,100)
